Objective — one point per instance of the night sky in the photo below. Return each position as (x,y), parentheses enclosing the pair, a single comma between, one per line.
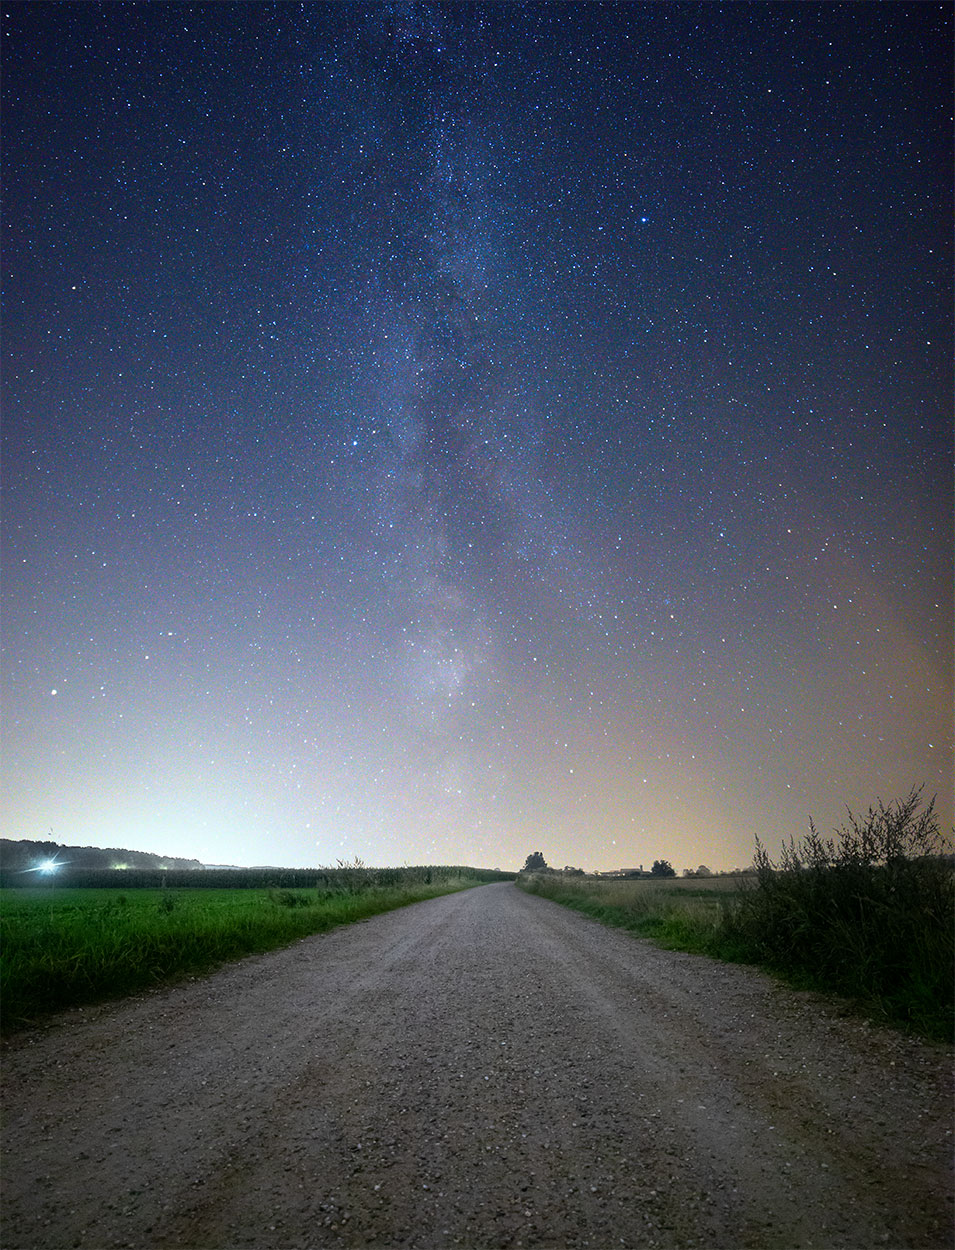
(434,433)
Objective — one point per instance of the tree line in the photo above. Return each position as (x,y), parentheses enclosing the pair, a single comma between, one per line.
(536,862)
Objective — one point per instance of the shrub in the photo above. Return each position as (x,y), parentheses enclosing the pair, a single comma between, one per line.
(869,914)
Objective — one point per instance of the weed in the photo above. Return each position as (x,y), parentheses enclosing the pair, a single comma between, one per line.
(291,898)
(869,914)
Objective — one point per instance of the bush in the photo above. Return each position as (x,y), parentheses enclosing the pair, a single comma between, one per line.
(869,914)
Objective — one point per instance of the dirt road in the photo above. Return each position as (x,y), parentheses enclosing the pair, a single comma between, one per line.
(483,1070)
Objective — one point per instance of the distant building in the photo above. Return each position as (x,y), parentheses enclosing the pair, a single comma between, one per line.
(626,873)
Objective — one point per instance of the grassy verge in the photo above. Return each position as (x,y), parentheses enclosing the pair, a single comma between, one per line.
(678,916)
(69,947)
(868,915)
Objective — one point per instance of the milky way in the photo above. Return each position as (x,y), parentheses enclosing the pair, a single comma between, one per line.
(439,432)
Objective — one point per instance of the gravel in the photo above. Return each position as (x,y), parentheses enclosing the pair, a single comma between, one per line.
(486,1069)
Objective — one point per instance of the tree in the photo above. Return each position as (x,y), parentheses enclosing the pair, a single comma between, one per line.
(535,862)
(662,868)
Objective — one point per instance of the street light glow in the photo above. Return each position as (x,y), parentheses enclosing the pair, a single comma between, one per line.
(46,867)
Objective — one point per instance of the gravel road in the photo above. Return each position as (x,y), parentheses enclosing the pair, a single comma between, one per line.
(486,1069)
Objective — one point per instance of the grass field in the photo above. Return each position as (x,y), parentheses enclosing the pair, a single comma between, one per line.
(64,947)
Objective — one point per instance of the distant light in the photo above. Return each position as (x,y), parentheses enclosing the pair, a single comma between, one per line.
(46,867)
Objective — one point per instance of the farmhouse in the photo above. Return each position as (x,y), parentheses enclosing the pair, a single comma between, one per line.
(626,872)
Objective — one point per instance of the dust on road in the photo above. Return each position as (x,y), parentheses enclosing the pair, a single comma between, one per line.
(485,1069)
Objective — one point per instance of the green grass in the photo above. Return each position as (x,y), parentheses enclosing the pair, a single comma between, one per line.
(65,947)
(679,915)
(868,915)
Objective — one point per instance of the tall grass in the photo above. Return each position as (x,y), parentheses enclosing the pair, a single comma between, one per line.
(689,916)
(67,947)
(868,914)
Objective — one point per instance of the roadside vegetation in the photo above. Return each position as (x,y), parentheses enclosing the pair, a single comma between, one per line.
(64,946)
(868,914)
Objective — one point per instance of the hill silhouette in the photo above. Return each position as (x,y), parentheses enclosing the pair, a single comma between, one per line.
(26,856)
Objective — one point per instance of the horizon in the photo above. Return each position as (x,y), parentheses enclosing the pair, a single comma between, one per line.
(66,846)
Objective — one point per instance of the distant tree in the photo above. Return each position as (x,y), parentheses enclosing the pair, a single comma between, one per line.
(703,871)
(535,862)
(570,871)
(662,868)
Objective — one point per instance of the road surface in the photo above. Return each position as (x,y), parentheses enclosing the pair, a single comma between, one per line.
(484,1070)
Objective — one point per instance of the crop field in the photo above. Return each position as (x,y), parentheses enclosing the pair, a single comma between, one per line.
(64,947)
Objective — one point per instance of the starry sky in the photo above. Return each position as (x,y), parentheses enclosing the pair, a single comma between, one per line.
(437,432)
